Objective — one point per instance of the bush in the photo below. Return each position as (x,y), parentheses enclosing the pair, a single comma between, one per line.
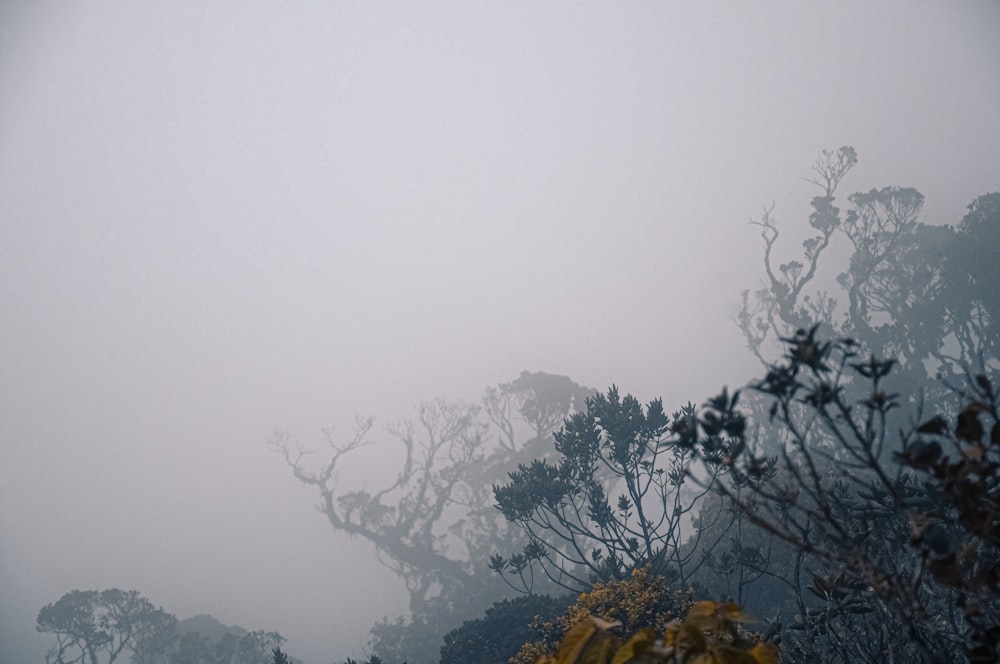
(497,637)
(641,601)
(711,632)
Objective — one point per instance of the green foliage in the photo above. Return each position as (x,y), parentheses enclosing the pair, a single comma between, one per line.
(499,635)
(710,633)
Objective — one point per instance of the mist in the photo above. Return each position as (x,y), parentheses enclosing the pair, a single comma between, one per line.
(222,219)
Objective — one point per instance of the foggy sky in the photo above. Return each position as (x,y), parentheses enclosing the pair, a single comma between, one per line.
(218,219)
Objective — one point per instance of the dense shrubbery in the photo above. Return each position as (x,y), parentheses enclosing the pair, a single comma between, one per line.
(710,633)
(641,600)
(902,540)
(499,635)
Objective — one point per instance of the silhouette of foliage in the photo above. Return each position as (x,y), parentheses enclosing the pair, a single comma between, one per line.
(924,295)
(905,537)
(99,626)
(435,524)
(615,498)
(499,635)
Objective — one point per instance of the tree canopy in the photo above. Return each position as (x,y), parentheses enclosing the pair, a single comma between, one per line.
(93,627)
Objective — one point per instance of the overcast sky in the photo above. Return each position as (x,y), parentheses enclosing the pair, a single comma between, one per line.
(222,218)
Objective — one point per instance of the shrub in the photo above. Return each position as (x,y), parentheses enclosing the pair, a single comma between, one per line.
(497,637)
(641,601)
(711,632)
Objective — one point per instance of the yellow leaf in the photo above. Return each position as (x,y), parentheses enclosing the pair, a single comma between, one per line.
(765,653)
(574,641)
(733,613)
(692,639)
(635,646)
(598,650)
(702,609)
(605,624)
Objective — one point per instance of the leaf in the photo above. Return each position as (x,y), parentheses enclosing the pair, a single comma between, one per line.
(605,624)
(598,650)
(974,452)
(765,653)
(938,425)
(969,427)
(733,613)
(574,641)
(703,609)
(635,647)
(692,639)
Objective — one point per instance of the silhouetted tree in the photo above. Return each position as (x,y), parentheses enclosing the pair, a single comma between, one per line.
(922,294)
(902,539)
(435,524)
(616,497)
(97,627)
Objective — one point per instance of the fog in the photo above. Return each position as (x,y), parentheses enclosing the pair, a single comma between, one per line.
(219,219)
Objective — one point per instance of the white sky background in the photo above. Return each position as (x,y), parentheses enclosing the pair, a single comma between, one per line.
(218,219)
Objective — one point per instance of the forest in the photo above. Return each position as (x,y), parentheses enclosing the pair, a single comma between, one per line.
(843,507)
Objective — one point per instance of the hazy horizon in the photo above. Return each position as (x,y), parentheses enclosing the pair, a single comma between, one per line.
(222,219)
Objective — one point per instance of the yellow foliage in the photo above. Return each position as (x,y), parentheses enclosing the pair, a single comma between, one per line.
(710,634)
(641,601)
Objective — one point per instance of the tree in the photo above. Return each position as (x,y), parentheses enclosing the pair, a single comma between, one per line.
(435,524)
(919,293)
(904,547)
(616,498)
(257,647)
(90,626)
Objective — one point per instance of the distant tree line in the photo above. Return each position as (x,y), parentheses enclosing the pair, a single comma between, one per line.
(102,627)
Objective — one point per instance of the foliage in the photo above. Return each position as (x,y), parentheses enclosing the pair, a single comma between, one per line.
(499,635)
(906,546)
(92,626)
(579,529)
(639,601)
(741,563)
(922,294)
(373,659)
(711,632)
(435,524)
(100,626)
(850,513)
